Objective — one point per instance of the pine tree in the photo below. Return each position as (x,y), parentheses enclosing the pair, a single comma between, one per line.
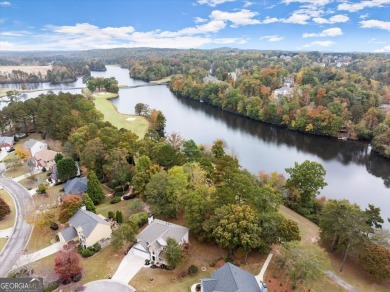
(94,188)
(119,217)
(89,203)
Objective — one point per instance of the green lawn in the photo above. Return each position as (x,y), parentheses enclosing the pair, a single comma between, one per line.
(9,220)
(17,171)
(136,124)
(122,206)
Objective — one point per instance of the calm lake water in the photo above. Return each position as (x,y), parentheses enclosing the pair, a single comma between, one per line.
(353,171)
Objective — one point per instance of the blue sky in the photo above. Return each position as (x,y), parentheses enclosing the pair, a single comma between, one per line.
(324,25)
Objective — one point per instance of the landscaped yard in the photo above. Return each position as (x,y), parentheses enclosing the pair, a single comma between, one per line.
(200,254)
(40,238)
(17,171)
(352,274)
(34,181)
(51,198)
(123,206)
(136,124)
(9,220)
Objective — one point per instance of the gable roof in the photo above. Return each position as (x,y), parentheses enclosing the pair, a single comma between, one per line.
(45,157)
(78,185)
(69,233)
(31,142)
(158,232)
(87,221)
(6,141)
(230,278)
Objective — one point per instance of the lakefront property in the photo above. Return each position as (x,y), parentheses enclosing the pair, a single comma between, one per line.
(238,146)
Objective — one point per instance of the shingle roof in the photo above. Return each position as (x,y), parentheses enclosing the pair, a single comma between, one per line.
(159,229)
(45,158)
(4,140)
(77,185)
(230,278)
(31,142)
(69,233)
(86,220)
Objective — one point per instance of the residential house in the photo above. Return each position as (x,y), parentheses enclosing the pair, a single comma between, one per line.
(45,159)
(87,228)
(34,146)
(76,186)
(6,142)
(152,241)
(285,90)
(211,79)
(230,278)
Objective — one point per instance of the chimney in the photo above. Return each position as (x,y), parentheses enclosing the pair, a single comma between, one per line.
(150,218)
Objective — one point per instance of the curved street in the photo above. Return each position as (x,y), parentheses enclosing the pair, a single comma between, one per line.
(21,232)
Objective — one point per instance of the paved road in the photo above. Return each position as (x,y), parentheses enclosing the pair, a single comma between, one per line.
(107,285)
(21,233)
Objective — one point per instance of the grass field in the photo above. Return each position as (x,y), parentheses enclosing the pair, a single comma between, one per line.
(34,182)
(27,69)
(9,220)
(123,206)
(40,238)
(136,124)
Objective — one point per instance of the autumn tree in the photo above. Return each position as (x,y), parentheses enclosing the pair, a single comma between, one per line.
(303,185)
(117,168)
(67,265)
(174,253)
(22,152)
(94,189)
(4,209)
(124,233)
(234,226)
(69,207)
(218,148)
(303,264)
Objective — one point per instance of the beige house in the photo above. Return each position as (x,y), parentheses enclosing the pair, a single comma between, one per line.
(152,241)
(45,158)
(87,228)
(34,146)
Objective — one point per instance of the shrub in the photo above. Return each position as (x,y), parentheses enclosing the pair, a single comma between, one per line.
(128,197)
(212,263)
(112,184)
(115,200)
(51,286)
(77,278)
(119,217)
(110,215)
(97,247)
(44,169)
(87,253)
(193,270)
(118,193)
(42,188)
(54,226)
(139,219)
(147,262)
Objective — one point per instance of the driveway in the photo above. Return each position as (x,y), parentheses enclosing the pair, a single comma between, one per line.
(107,285)
(40,254)
(128,268)
(21,232)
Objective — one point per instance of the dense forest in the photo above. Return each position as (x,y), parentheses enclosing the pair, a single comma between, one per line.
(334,94)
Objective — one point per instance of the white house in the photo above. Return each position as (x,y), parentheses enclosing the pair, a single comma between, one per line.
(152,241)
(35,146)
(6,142)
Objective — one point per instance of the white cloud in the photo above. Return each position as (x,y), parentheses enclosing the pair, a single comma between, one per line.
(14,33)
(375,41)
(5,3)
(313,2)
(7,46)
(353,7)
(199,20)
(211,27)
(242,17)
(248,3)
(213,3)
(272,38)
(334,19)
(297,18)
(364,16)
(319,44)
(375,24)
(268,20)
(385,49)
(331,32)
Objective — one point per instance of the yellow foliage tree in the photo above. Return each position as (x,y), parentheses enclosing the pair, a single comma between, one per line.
(22,152)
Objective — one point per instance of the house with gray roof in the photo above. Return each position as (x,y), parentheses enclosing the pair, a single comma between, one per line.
(230,278)
(34,146)
(86,227)
(76,186)
(6,142)
(152,241)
